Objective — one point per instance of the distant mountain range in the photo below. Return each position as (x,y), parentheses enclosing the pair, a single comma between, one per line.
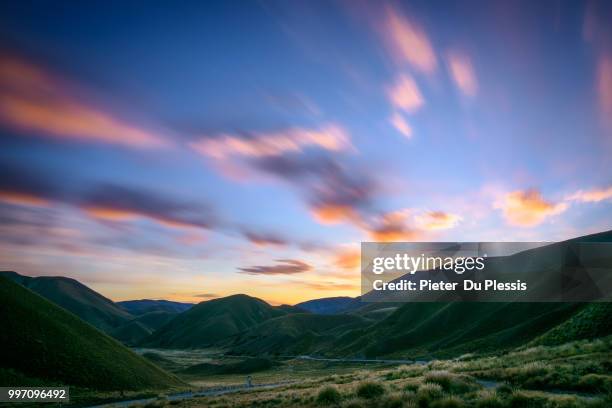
(340,326)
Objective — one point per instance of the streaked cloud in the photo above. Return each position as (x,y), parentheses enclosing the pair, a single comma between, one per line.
(263,144)
(527,208)
(118,203)
(401,124)
(437,220)
(392,227)
(282,267)
(264,238)
(36,102)
(592,196)
(405,94)
(17,198)
(407,41)
(604,85)
(462,72)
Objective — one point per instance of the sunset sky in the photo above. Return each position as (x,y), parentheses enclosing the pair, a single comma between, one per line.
(191,150)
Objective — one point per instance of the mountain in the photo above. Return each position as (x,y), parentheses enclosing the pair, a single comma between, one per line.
(75,297)
(140,307)
(211,321)
(330,305)
(43,344)
(295,334)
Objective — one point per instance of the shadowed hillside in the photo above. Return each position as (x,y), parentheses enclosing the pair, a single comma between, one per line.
(209,322)
(143,306)
(41,343)
(76,298)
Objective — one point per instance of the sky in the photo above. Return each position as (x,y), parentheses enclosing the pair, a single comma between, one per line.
(193,150)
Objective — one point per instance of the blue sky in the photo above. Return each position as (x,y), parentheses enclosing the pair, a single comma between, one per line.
(197,149)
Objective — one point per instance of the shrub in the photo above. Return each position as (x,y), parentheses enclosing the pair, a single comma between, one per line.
(488,399)
(370,390)
(329,396)
(449,382)
(448,402)
(596,383)
(428,393)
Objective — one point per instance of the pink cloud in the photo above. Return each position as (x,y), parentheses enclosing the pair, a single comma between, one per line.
(604,85)
(437,220)
(401,124)
(592,196)
(330,137)
(462,73)
(405,94)
(408,42)
(34,101)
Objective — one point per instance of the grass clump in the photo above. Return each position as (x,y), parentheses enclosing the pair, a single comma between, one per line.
(448,402)
(370,390)
(328,396)
(429,392)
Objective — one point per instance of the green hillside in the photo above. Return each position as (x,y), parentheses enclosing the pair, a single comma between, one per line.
(209,322)
(77,298)
(295,334)
(41,343)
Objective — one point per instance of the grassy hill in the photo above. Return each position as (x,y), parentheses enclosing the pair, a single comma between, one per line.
(77,298)
(41,343)
(331,305)
(209,322)
(143,306)
(295,334)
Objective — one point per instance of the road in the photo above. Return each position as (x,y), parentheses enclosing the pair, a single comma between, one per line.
(191,394)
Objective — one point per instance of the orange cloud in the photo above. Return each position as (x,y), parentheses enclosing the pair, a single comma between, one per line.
(528,208)
(31,100)
(347,259)
(405,94)
(437,220)
(330,137)
(12,197)
(604,85)
(329,214)
(592,196)
(462,73)
(408,42)
(117,214)
(401,125)
(392,227)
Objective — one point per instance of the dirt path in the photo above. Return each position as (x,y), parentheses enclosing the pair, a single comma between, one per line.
(211,392)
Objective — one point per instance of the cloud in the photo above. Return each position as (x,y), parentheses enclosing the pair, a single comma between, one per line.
(334,192)
(117,203)
(392,227)
(347,259)
(405,94)
(408,42)
(462,73)
(437,220)
(330,137)
(21,186)
(34,101)
(283,267)
(264,238)
(592,196)
(401,124)
(604,84)
(528,208)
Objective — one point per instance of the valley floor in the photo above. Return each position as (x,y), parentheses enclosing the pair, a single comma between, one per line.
(576,374)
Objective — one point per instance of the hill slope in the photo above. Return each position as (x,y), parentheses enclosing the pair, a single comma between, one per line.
(140,307)
(209,322)
(75,297)
(42,343)
(295,334)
